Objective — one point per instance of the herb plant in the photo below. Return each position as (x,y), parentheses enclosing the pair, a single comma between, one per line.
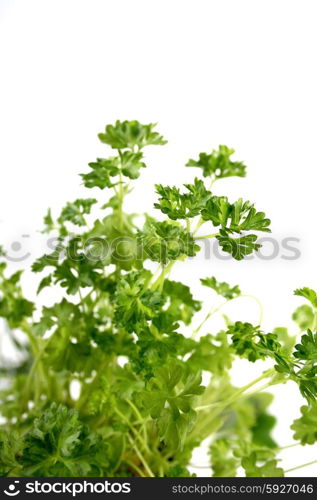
(118,331)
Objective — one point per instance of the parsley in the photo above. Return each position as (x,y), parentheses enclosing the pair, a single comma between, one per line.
(127,332)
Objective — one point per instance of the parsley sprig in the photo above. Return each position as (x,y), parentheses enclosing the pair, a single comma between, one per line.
(138,343)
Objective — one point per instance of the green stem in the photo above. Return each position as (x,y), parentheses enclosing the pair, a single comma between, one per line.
(259,389)
(165,270)
(141,457)
(201,221)
(301,466)
(257,301)
(314,327)
(232,399)
(135,432)
(208,315)
(135,467)
(206,236)
(141,420)
(32,340)
(120,209)
(216,309)
(281,448)
(244,388)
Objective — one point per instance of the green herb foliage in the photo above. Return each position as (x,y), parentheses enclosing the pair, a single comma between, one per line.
(137,342)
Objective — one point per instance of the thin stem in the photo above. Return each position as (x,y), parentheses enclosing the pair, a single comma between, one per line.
(314,327)
(141,420)
(206,407)
(208,315)
(301,466)
(120,210)
(257,301)
(135,432)
(33,341)
(281,448)
(234,397)
(201,221)
(135,467)
(244,388)
(200,466)
(259,389)
(206,236)
(165,270)
(216,309)
(141,457)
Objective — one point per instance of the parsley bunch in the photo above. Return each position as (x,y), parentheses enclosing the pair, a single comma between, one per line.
(120,331)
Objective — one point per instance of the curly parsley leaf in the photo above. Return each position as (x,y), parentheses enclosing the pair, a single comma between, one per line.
(135,304)
(267,469)
(308,294)
(304,317)
(179,205)
(307,349)
(101,172)
(59,445)
(305,427)
(222,288)
(128,134)
(238,247)
(181,304)
(165,241)
(234,217)
(75,212)
(219,164)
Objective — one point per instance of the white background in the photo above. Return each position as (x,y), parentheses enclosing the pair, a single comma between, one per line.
(233,72)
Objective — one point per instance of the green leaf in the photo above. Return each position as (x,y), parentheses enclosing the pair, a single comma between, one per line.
(11,446)
(181,304)
(135,304)
(222,462)
(218,164)
(74,212)
(58,444)
(101,172)
(307,349)
(131,164)
(305,427)
(249,342)
(222,288)
(261,431)
(169,399)
(238,247)
(128,134)
(304,317)
(182,206)
(234,217)
(212,354)
(308,294)
(165,241)
(45,282)
(268,469)
(48,222)
(47,260)
(13,306)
